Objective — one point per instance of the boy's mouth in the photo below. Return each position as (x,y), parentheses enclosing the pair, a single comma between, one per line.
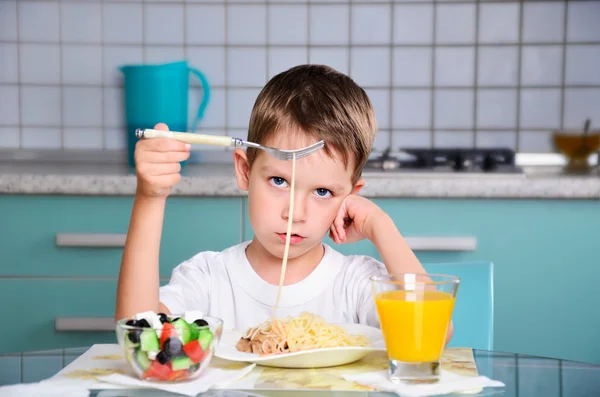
(294,238)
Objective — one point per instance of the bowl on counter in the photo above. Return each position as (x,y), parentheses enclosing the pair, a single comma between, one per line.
(577,146)
(174,349)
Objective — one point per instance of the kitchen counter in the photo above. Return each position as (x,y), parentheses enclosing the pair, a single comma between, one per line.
(76,178)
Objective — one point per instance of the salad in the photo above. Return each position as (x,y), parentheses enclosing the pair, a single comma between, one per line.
(167,348)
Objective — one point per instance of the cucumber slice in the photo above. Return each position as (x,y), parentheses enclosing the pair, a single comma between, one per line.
(205,338)
(181,363)
(142,360)
(148,341)
(194,331)
(183,330)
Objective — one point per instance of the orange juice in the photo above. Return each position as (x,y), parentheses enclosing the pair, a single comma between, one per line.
(414,323)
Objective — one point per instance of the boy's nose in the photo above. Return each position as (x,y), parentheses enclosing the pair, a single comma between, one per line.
(299,214)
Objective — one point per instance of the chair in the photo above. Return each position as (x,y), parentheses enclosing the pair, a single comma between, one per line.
(473,314)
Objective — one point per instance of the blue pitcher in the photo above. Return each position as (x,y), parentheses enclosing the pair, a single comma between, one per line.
(156,93)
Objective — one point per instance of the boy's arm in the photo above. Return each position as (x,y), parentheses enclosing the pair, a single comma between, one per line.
(138,285)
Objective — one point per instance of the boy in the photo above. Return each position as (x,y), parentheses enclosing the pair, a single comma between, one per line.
(296,108)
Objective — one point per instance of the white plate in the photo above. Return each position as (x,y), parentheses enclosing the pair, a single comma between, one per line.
(316,358)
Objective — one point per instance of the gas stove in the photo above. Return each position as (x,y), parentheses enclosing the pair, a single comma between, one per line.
(467,161)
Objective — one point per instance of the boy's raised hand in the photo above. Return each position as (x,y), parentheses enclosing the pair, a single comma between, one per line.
(157,164)
(356,219)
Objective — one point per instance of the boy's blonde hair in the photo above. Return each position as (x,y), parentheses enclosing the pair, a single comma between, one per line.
(322,103)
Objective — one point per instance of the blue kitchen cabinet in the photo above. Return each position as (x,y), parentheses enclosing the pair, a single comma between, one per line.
(546,260)
(29,226)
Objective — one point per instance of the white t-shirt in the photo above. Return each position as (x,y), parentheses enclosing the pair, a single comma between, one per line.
(224,284)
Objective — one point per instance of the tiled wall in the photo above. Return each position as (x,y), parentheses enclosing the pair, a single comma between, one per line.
(445,73)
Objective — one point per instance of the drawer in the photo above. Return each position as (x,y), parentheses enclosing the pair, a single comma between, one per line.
(37,304)
(66,235)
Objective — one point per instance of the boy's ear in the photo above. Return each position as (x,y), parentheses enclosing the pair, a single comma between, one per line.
(242,168)
(358,185)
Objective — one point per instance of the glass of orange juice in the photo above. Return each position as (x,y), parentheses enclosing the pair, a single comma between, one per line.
(414,311)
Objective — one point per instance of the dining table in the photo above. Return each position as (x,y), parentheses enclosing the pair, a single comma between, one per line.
(523,376)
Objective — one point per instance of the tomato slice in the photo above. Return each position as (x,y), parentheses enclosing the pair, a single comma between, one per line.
(168,331)
(158,371)
(194,351)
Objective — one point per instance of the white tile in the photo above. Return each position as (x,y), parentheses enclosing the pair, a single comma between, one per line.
(41,138)
(41,106)
(247,67)
(412,66)
(582,23)
(9,138)
(8,20)
(163,24)
(122,23)
(288,24)
(337,58)
(371,24)
(455,23)
(382,140)
(455,66)
(535,141)
(40,63)
(210,61)
(581,104)
(583,65)
(322,30)
(370,66)
(453,108)
(413,24)
(38,21)
(247,24)
(83,138)
(281,59)
(496,139)
(453,139)
(83,22)
(498,66)
(543,22)
(9,71)
(496,108)
(540,108)
(214,114)
(411,108)
(380,100)
(115,57)
(115,138)
(205,24)
(82,106)
(411,139)
(164,54)
(114,107)
(541,65)
(499,22)
(81,64)
(239,106)
(9,111)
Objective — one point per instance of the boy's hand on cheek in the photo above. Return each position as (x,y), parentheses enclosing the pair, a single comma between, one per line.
(355,220)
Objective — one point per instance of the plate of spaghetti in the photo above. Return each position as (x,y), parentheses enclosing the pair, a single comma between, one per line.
(306,341)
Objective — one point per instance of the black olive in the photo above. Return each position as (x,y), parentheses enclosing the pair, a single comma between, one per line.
(143,323)
(163,318)
(201,323)
(134,335)
(162,357)
(172,346)
(175,319)
(131,323)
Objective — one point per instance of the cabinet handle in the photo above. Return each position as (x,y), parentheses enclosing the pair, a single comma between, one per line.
(442,243)
(84,324)
(102,240)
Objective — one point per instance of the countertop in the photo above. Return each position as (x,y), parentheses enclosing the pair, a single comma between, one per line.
(81,178)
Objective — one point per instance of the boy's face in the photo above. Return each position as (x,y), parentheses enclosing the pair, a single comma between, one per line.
(321,184)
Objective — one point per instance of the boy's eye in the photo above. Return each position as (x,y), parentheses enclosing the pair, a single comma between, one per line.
(322,192)
(277,181)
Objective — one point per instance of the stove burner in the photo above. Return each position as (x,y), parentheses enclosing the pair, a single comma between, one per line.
(495,160)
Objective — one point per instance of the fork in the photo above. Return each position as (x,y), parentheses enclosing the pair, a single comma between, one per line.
(217,140)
